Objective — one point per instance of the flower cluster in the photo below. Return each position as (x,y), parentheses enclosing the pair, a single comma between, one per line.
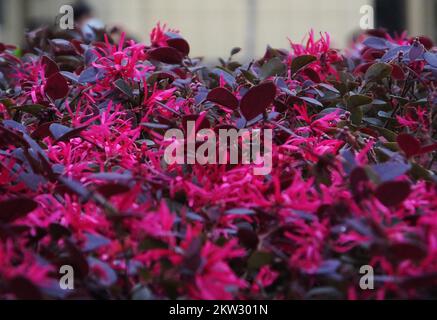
(83,181)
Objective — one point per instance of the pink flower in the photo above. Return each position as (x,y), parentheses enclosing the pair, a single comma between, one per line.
(215,280)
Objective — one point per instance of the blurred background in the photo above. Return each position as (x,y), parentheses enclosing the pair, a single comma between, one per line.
(213,27)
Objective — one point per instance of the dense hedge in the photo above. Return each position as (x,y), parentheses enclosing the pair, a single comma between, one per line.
(83,181)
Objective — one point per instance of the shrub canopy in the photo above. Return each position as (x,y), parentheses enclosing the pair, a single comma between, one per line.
(83,181)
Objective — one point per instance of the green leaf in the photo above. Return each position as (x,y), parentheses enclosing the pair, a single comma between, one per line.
(150,243)
(29,108)
(248,75)
(235,50)
(358,100)
(273,67)
(259,259)
(7,102)
(419,172)
(422,101)
(378,71)
(356,116)
(299,62)
(233,65)
(388,134)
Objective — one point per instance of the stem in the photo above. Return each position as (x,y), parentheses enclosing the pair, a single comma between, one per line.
(280,126)
(395,110)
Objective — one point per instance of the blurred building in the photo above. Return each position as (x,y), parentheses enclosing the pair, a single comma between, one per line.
(213,27)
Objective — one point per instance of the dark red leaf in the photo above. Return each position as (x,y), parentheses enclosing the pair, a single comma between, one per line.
(158,76)
(247,236)
(393,193)
(257,99)
(420,281)
(362,68)
(24,289)
(409,144)
(50,67)
(42,131)
(427,42)
(77,260)
(13,209)
(203,124)
(58,231)
(429,148)
(377,33)
(358,180)
(408,250)
(224,127)
(112,189)
(397,72)
(223,97)
(166,54)
(372,54)
(280,106)
(56,86)
(179,44)
(313,75)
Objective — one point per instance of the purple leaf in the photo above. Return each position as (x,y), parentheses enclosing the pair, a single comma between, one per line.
(431,58)
(63,133)
(105,274)
(393,53)
(376,43)
(416,52)
(90,75)
(311,101)
(391,170)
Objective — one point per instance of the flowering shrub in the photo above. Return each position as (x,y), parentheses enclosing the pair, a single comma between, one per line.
(83,181)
